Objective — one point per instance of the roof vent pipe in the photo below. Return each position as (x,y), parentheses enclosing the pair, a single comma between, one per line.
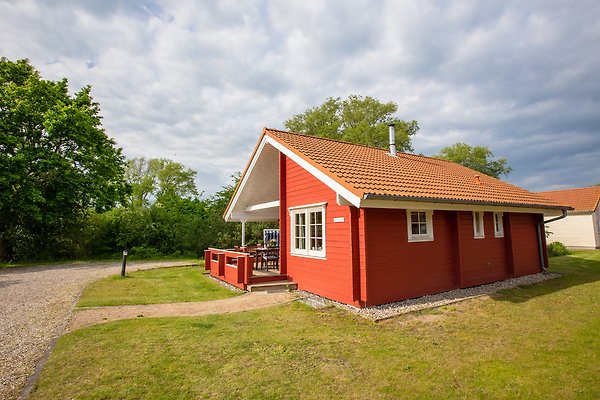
(392,139)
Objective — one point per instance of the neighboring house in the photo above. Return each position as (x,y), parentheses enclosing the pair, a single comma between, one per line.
(581,227)
(364,227)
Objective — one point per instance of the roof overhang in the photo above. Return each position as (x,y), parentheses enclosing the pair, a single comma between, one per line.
(256,197)
(416,203)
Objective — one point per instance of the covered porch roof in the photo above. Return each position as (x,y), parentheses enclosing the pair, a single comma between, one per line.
(257,194)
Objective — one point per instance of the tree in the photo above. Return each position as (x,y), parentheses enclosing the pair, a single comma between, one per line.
(478,158)
(56,161)
(361,120)
(159,179)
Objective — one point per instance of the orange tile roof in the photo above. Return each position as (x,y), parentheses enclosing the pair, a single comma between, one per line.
(582,199)
(371,172)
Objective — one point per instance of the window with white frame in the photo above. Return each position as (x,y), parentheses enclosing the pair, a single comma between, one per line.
(308,230)
(420,225)
(478,231)
(498,225)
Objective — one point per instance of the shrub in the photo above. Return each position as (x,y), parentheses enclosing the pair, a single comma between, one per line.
(557,249)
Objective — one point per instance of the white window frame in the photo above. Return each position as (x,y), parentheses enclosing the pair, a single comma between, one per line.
(478,224)
(420,237)
(498,224)
(306,210)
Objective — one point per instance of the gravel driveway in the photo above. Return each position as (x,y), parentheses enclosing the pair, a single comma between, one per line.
(35,304)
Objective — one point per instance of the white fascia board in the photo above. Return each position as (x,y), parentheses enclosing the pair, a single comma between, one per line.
(428,205)
(262,206)
(228,216)
(327,180)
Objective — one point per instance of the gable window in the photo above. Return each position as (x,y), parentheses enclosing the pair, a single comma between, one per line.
(478,231)
(498,225)
(420,225)
(308,230)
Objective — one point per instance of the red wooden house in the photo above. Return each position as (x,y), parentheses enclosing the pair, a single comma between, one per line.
(365,226)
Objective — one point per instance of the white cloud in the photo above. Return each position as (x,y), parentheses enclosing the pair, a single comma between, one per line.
(197,81)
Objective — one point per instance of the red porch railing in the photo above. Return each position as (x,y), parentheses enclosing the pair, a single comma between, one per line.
(231,266)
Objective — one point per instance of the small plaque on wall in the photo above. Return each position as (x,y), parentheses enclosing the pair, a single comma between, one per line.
(339,219)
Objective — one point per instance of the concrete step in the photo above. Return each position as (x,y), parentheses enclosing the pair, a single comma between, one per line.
(274,286)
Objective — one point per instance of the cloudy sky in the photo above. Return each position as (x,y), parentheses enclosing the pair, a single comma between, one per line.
(197,81)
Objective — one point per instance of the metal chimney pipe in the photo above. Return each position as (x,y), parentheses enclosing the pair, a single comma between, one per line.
(392,139)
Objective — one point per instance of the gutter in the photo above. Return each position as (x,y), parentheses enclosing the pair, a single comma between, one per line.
(539,236)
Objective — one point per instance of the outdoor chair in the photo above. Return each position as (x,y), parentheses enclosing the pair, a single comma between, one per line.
(271,258)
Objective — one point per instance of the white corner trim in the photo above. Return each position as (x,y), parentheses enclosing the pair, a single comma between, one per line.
(327,180)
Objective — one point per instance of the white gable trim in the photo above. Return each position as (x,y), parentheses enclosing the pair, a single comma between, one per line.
(242,184)
(332,184)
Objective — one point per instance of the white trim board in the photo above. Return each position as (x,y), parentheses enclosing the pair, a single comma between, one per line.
(327,180)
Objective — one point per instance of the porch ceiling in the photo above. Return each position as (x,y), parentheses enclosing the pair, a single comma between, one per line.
(258,196)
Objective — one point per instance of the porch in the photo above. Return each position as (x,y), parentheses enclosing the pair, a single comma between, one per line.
(241,269)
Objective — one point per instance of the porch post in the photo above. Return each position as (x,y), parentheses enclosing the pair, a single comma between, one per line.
(243,233)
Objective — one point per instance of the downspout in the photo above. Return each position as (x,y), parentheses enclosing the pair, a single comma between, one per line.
(539,236)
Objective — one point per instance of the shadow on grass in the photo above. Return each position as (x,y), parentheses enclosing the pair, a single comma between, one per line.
(577,269)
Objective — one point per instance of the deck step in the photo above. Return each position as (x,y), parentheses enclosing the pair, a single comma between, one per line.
(272,286)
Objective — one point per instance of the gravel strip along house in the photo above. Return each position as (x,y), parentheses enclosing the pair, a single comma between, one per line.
(366,226)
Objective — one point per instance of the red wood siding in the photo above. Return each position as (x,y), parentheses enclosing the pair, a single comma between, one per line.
(525,244)
(398,269)
(369,260)
(330,277)
(483,260)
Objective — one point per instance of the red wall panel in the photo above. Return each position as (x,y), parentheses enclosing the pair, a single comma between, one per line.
(330,277)
(398,269)
(369,260)
(483,260)
(525,243)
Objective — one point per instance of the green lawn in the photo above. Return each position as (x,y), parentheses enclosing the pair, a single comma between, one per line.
(540,341)
(162,285)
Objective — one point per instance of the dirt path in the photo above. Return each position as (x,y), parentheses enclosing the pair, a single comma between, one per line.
(35,303)
(250,301)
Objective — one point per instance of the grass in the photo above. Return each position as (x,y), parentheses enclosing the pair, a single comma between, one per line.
(162,285)
(539,341)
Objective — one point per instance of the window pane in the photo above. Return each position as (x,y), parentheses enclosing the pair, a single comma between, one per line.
(414,229)
(319,232)
(423,229)
(414,217)
(319,217)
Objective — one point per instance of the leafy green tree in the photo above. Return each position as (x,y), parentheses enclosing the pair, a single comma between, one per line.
(159,179)
(357,119)
(479,158)
(56,161)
